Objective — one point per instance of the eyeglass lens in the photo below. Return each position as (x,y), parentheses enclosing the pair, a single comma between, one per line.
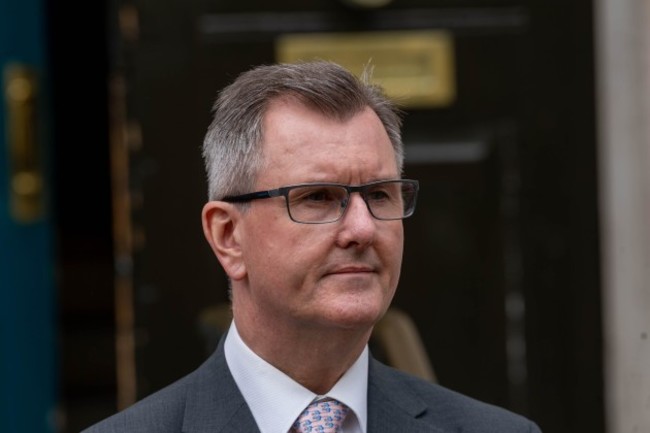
(326,203)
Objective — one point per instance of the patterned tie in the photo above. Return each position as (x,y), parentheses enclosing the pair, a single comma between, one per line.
(323,416)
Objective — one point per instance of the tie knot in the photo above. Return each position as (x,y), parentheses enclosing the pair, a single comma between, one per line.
(323,416)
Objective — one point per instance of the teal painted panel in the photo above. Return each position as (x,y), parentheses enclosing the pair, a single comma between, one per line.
(28,367)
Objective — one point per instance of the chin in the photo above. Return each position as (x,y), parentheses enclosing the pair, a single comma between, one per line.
(358,303)
(357,316)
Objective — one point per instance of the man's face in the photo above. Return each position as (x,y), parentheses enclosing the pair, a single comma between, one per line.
(340,274)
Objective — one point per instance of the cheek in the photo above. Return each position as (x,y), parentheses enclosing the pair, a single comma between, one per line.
(393,250)
(394,236)
(284,254)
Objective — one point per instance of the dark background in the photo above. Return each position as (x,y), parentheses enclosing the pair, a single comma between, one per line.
(501,263)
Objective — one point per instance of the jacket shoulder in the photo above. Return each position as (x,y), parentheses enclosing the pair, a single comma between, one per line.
(449,410)
(161,412)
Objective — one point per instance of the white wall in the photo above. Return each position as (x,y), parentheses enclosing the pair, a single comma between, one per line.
(623,76)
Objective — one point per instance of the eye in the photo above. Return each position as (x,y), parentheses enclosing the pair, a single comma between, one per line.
(384,194)
(379,194)
(317,195)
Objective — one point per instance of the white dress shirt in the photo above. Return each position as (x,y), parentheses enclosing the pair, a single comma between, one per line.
(276,400)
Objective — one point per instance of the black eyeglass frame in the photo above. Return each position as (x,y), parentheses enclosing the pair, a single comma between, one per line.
(284,192)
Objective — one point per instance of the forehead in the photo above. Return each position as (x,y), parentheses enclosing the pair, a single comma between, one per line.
(300,145)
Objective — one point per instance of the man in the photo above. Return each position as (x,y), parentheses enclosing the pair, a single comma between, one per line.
(306,201)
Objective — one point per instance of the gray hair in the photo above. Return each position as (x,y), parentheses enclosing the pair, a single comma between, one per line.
(232,148)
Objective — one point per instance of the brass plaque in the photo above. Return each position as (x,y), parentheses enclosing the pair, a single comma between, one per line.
(415,68)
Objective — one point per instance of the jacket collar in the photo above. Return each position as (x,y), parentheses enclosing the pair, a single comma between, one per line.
(392,405)
(214,403)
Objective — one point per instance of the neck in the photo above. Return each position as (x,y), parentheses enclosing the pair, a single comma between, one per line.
(314,356)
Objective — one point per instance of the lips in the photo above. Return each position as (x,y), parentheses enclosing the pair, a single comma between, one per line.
(351,269)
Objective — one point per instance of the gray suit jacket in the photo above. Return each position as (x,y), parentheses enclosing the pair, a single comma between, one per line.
(208,401)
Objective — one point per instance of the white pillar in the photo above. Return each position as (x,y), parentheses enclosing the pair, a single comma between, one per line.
(622,35)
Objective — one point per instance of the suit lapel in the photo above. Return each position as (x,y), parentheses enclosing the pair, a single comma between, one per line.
(393,407)
(214,403)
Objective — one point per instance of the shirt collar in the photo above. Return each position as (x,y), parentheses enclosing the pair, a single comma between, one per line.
(276,400)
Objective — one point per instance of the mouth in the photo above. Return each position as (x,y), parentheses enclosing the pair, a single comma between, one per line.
(352,270)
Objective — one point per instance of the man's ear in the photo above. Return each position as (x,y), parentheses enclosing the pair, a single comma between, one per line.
(221,225)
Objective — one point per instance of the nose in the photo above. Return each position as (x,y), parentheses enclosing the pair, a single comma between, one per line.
(357,226)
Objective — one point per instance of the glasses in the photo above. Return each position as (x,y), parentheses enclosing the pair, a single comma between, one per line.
(320,203)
